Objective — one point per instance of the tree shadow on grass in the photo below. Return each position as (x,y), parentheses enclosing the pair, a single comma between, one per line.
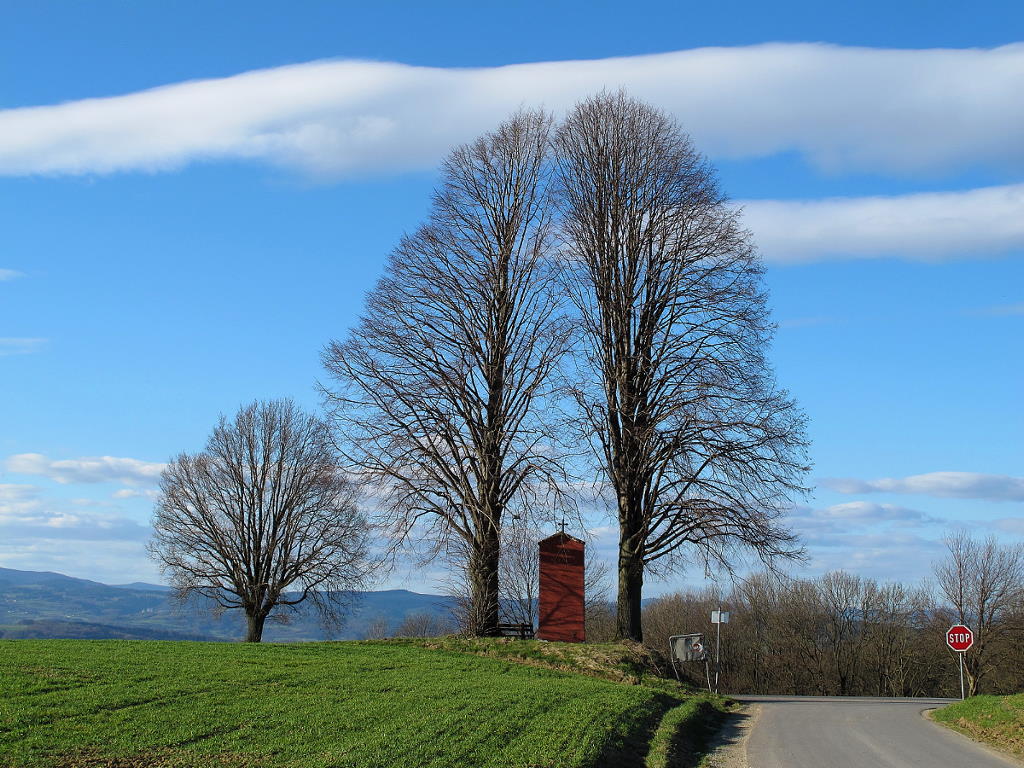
(711,730)
(631,751)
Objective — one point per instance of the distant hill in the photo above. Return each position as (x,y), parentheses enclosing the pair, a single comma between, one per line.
(61,606)
(141,585)
(54,629)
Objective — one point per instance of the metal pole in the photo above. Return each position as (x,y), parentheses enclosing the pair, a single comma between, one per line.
(718,647)
(961,655)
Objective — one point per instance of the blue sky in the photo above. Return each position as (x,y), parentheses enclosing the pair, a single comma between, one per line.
(166,255)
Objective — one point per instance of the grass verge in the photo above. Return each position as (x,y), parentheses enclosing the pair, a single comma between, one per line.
(625,662)
(686,732)
(995,720)
(149,704)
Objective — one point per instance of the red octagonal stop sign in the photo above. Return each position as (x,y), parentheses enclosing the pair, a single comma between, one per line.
(959,637)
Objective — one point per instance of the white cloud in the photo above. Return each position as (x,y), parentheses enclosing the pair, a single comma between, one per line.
(18,503)
(1003,310)
(118,561)
(886,556)
(878,540)
(99,469)
(11,345)
(133,493)
(14,492)
(867,512)
(26,515)
(9,274)
(841,107)
(932,226)
(951,485)
(841,525)
(1009,525)
(80,537)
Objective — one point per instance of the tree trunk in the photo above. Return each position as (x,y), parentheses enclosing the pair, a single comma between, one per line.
(483,582)
(972,673)
(254,632)
(631,582)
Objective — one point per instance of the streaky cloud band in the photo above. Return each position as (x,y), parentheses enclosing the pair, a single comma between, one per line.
(935,226)
(948,485)
(842,108)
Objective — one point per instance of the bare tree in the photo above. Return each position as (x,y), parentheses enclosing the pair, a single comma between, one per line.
(698,445)
(519,572)
(600,622)
(842,599)
(1012,677)
(595,581)
(984,583)
(423,624)
(898,615)
(262,519)
(841,634)
(439,390)
(377,629)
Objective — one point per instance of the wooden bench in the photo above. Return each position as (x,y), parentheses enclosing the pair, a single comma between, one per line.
(522,631)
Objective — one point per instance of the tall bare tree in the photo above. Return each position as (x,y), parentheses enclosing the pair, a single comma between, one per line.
(898,614)
(983,581)
(439,391)
(262,519)
(697,444)
(843,603)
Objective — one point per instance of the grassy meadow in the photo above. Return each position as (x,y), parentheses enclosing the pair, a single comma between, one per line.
(996,720)
(129,704)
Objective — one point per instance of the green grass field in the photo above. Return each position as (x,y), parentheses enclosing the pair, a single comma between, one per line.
(129,704)
(997,720)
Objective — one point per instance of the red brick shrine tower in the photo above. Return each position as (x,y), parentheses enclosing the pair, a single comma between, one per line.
(561,589)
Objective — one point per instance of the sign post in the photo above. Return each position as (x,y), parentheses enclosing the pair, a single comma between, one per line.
(718,618)
(960,638)
(690,647)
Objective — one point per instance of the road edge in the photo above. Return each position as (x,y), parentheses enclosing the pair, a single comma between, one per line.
(728,748)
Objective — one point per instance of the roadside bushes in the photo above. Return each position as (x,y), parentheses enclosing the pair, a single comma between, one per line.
(839,634)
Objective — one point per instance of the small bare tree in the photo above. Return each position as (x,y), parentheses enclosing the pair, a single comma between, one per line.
(519,572)
(440,390)
(701,450)
(377,629)
(520,575)
(600,622)
(984,584)
(423,624)
(262,519)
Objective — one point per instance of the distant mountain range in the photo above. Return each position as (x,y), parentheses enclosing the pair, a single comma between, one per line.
(51,605)
(144,587)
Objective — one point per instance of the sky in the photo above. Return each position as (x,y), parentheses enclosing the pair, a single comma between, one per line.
(195,197)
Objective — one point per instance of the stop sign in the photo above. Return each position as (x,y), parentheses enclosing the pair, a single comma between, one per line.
(959,637)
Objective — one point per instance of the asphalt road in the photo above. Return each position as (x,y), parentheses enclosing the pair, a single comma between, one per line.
(818,732)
